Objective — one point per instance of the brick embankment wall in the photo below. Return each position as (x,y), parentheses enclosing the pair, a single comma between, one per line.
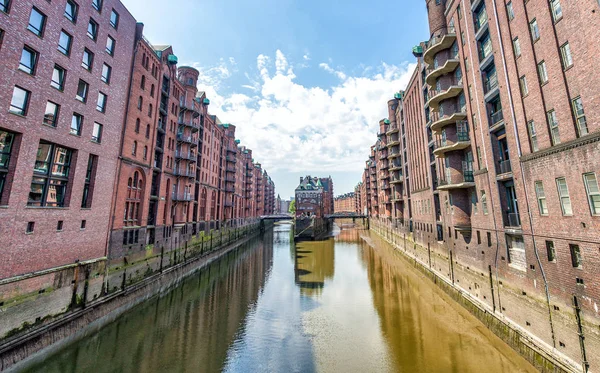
(472,288)
(80,299)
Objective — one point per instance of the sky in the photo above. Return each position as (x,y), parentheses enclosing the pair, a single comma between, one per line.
(305,82)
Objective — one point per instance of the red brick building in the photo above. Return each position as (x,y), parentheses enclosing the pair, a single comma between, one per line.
(498,160)
(345,203)
(65,73)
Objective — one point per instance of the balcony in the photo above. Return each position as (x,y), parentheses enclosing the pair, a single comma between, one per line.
(512,220)
(396,197)
(231,159)
(230,179)
(393,154)
(496,120)
(395,165)
(437,44)
(393,143)
(231,149)
(464,181)
(385,186)
(462,142)
(184,173)
(384,175)
(230,169)
(397,179)
(189,107)
(435,97)
(490,87)
(447,120)
(188,123)
(189,156)
(183,138)
(383,155)
(435,72)
(230,189)
(182,197)
(392,130)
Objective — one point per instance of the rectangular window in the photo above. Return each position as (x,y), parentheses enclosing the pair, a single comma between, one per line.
(535,31)
(71,11)
(563,194)
(92,30)
(4,5)
(58,78)
(566,57)
(20,101)
(114,19)
(484,205)
(90,177)
(37,22)
(76,124)
(556,10)
(593,193)
(50,176)
(110,46)
(106,72)
(551,250)
(576,259)
(97,4)
(6,145)
(532,135)
(30,227)
(517,47)
(553,121)
(101,105)
(97,133)
(542,72)
(28,61)
(489,239)
(541,197)
(51,114)
(580,116)
(510,11)
(87,59)
(64,43)
(523,83)
(82,91)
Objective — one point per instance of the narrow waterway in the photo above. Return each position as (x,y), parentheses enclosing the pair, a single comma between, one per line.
(341,305)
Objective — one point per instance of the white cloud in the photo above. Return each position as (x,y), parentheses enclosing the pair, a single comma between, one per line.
(297,128)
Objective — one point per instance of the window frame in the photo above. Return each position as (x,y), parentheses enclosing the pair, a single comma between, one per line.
(542,72)
(93,34)
(34,57)
(566,54)
(595,211)
(33,29)
(97,4)
(534,30)
(540,195)
(115,24)
(5,157)
(562,198)
(56,114)
(82,96)
(554,126)
(88,66)
(45,179)
(106,79)
(97,130)
(76,131)
(65,50)
(532,135)
(75,6)
(111,51)
(5,8)
(22,110)
(101,108)
(579,116)
(60,86)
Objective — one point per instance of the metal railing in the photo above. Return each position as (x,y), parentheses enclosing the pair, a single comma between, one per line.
(231,159)
(512,219)
(184,173)
(185,155)
(184,138)
(496,118)
(505,167)
(182,196)
(490,83)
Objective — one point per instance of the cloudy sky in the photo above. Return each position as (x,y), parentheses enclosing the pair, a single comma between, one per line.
(305,82)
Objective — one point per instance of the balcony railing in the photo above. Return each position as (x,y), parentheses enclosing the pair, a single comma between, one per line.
(512,220)
(231,149)
(485,50)
(184,138)
(231,159)
(490,83)
(182,196)
(505,167)
(185,155)
(230,179)
(184,173)
(496,118)
(230,169)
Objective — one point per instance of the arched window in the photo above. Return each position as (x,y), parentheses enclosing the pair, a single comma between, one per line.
(152,90)
(143,82)
(203,204)
(147,131)
(134,148)
(133,202)
(213,206)
(145,152)
(137,125)
(140,102)
(150,110)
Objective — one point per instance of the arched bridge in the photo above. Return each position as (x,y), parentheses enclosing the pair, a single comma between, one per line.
(346,215)
(277,217)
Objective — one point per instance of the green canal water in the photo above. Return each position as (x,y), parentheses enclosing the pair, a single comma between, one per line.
(340,305)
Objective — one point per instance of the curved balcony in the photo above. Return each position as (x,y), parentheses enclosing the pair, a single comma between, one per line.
(397,179)
(231,159)
(393,154)
(190,107)
(434,73)
(447,120)
(437,44)
(184,173)
(464,181)
(436,97)
(188,156)
(462,142)
(393,143)
(188,123)
(392,130)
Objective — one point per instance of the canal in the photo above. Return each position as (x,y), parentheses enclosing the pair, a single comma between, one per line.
(348,304)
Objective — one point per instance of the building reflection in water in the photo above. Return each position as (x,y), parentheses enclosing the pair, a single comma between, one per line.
(313,265)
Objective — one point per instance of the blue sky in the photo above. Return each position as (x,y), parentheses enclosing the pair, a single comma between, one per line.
(305,82)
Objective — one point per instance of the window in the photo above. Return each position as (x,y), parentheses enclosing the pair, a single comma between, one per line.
(551,250)
(137,125)
(20,101)
(82,91)
(90,177)
(580,116)
(87,60)
(110,46)
(97,4)
(106,72)
(83,224)
(140,102)
(143,83)
(6,145)
(101,104)
(30,227)
(51,114)
(517,47)
(553,121)
(489,239)
(556,10)
(541,197)
(576,259)
(28,60)
(563,194)
(542,72)
(4,5)
(97,133)
(523,83)
(50,176)
(76,124)
(59,226)
(58,78)
(567,58)
(71,11)
(133,201)
(64,43)
(134,148)
(593,193)
(535,31)
(152,90)
(37,21)
(150,110)
(145,152)
(92,30)
(114,19)
(484,205)
(510,11)
(532,135)
(148,131)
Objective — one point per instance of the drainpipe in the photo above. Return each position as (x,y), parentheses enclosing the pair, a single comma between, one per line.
(520,153)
